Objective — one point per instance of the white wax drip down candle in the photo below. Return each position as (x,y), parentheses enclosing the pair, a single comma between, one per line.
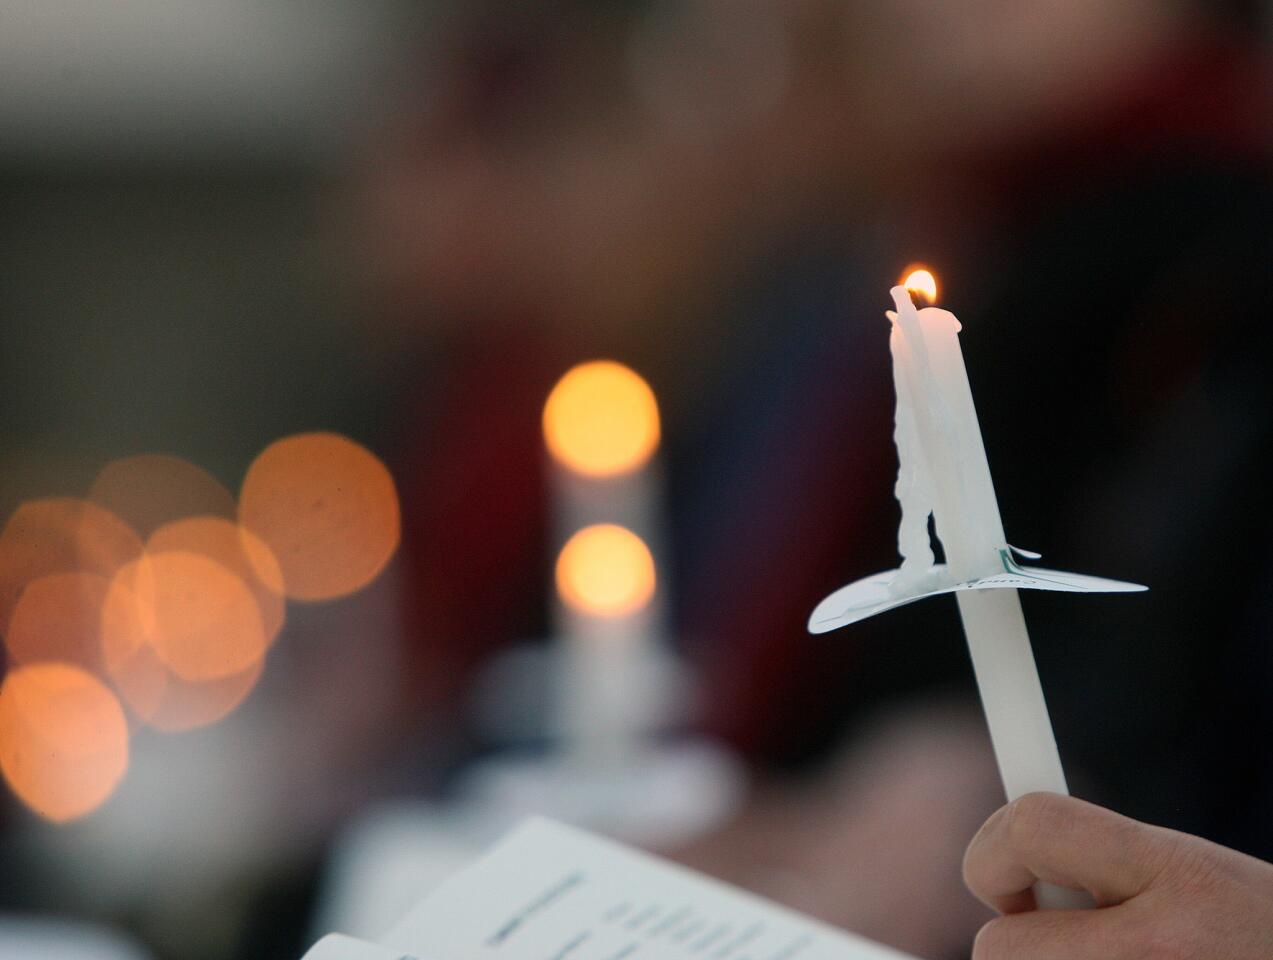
(943,471)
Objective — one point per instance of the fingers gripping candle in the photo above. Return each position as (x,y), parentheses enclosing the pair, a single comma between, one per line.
(943,470)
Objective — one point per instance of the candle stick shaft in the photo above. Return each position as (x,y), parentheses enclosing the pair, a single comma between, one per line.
(1016,712)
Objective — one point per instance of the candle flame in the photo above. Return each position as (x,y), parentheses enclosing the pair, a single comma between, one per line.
(601,420)
(605,571)
(920,280)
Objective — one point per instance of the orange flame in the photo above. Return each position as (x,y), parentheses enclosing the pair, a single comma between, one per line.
(919,279)
(601,420)
(605,570)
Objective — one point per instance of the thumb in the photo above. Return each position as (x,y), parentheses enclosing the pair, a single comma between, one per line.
(1064,841)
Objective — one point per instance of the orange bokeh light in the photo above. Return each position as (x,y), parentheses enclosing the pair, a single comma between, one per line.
(60,535)
(206,624)
(152,489)
(601,419)
(63,739)
(919,279)
(131,662)
(58,617)
(162,700)
(188,706)
(237,550)
(605,570)
(327,508)
(155,693)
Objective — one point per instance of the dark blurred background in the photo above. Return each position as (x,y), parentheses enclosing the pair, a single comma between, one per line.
(224,223)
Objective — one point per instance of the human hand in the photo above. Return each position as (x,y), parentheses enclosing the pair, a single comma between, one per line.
(1159,893)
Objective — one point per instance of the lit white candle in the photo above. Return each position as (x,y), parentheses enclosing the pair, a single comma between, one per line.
(605,583)
(601,426)
(944,469)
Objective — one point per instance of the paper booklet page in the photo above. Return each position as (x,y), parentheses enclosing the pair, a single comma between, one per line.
(551,892)
(337,947)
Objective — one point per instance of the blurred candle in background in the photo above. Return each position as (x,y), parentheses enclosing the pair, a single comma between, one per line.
(601,427)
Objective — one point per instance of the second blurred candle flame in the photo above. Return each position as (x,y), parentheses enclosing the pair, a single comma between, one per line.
(605,570)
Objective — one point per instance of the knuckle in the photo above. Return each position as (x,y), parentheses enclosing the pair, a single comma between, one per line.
(1154,856)
(1194,866)
(1135,843)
